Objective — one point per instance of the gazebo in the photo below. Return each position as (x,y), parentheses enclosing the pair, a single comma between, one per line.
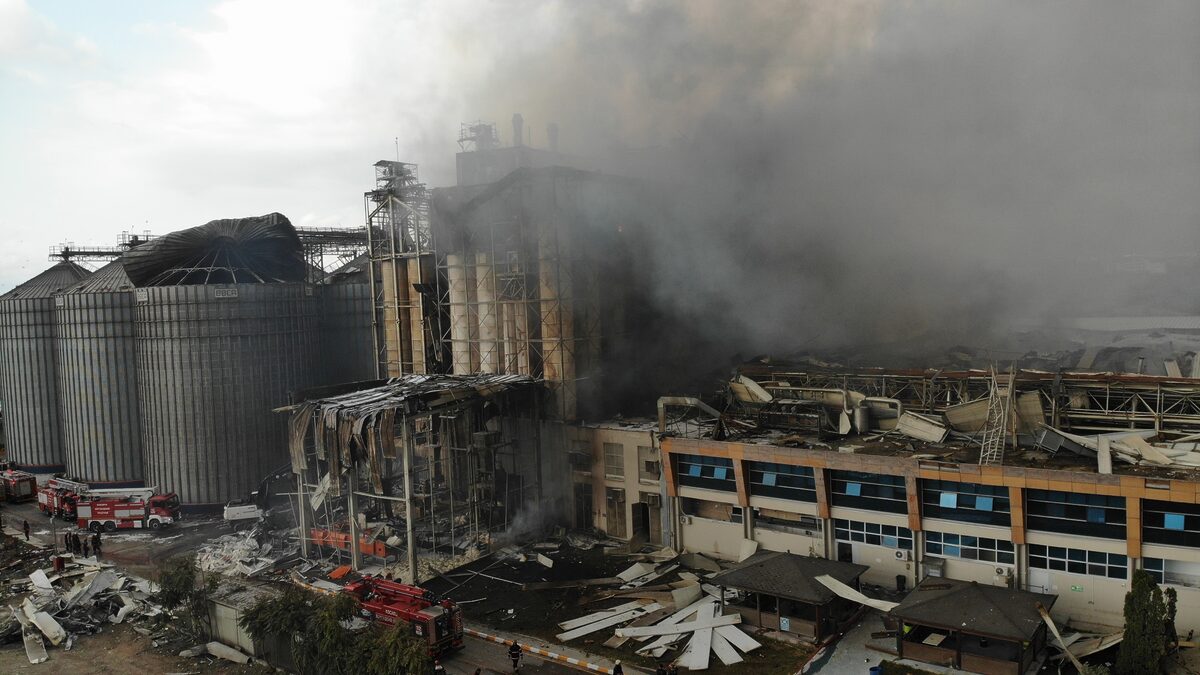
(970,626)
(783,593)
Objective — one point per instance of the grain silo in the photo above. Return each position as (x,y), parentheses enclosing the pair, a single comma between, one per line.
(347,346)
(226,330)
(29,383)
(101,431)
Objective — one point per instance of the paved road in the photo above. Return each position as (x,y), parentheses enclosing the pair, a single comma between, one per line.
(492,659)
(137,551)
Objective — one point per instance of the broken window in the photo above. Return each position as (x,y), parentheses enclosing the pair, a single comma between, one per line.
(783,481)
(1171,523)
(648,463)
(1076,513)
(614,460)
(711,473)
(703,508)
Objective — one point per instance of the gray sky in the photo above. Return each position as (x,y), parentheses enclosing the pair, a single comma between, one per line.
(935,141)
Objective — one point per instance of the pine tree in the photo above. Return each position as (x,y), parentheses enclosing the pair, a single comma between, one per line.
(1144,646)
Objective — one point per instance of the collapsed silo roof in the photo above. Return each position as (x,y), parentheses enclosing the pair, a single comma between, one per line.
(259,249)
(108,279)
(58,277)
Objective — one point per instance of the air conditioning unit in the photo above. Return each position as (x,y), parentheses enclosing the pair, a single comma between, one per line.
(902,554)
(1004,571)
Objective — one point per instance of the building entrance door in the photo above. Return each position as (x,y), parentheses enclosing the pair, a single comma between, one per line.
(583,506)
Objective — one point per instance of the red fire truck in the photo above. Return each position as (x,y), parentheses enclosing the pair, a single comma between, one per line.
(120,513)
(19,486)
(439,623)
(60,496)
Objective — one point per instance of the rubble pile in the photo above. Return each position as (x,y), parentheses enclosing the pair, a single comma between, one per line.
(75,596)
(248,553)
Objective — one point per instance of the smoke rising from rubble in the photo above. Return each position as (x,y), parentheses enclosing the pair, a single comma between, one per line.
(872,172)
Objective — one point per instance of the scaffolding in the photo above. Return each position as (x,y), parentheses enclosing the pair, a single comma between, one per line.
(523,297)
(328,248)
(423,466)
(68,251)
(408,292)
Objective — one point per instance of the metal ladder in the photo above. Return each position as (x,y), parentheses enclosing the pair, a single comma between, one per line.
(991,449)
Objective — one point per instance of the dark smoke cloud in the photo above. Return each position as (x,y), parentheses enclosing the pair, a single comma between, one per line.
(861,172)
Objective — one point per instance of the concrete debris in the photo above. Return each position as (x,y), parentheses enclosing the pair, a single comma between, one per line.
(228,653)
(243,554)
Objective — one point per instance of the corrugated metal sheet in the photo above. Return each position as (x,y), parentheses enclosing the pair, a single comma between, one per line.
(97,374)
(28,371)
(347,347)
(213,361)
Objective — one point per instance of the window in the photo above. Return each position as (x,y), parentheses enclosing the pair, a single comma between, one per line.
(786,521)
(1173,572)
(710,473)
(614,460)
(1076,513)
(890,536)
(648,463)
(965,502)
(877,492)
(782,481)
(970,547)
(1171,523)
(1079,561)
(702,508)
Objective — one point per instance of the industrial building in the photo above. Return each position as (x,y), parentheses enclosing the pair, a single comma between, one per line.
(469,369)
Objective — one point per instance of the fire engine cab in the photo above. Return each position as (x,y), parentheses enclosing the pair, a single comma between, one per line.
(439,624)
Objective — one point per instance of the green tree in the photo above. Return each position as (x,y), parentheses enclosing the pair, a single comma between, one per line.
(181,585)
(398,651)
(1144,648)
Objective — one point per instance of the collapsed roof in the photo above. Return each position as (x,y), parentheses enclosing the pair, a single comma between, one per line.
(258,249)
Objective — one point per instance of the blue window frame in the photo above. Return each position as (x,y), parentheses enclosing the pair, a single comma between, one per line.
(1171,523)
(709,473)
(877,492)
(1075,513)
(782,481)
(965,502)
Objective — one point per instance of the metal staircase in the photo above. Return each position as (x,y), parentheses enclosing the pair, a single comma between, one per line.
(991,451)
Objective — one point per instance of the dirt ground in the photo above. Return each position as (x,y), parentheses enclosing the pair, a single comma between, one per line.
(117,651)
(537,613)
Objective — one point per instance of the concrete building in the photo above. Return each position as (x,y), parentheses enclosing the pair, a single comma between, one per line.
(1040,522)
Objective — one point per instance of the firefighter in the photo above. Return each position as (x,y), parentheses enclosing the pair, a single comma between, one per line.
(77,547)
(67,542)
(25,527)
(86,553)
(438,669)
(514,653)
(617,669)
(96,544)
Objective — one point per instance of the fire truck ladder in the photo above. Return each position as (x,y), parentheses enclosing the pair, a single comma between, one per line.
(991,449)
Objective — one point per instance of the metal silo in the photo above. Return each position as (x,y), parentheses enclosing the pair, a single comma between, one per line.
(347,345)
(101,431)
(29,381)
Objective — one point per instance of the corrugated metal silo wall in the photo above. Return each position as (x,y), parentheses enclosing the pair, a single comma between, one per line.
(347,348)
(212,363)
(101,430)
(29,384)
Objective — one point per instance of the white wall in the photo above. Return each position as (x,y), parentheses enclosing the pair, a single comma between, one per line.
(800,544)
(712,537)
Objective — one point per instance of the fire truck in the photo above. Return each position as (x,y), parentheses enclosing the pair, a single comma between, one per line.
(19,486)
(98,513)
(61,496)
(437,623)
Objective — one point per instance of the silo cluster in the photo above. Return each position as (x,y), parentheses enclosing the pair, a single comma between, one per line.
(164,367)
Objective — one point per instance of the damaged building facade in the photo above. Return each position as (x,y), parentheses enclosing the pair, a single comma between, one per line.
(887,469)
